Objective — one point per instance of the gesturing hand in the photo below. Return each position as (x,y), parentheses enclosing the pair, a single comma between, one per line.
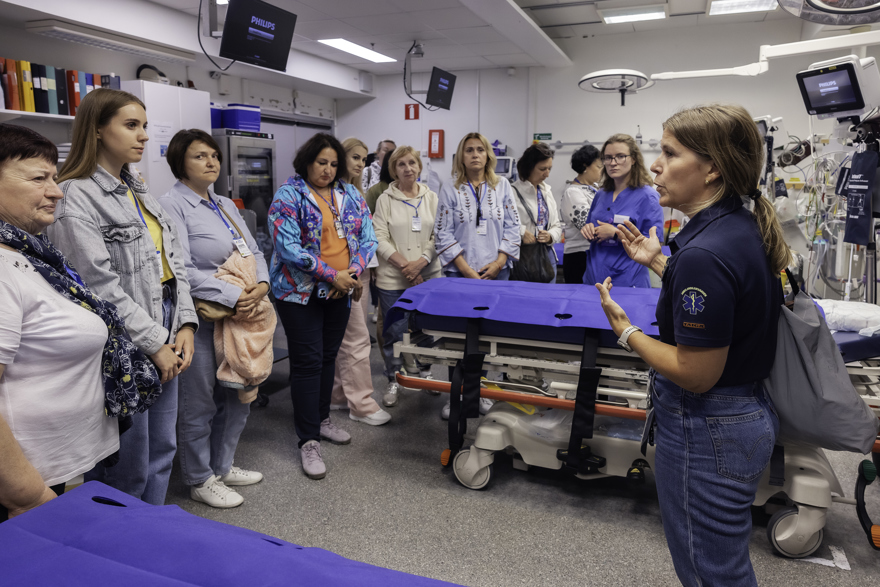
(640,248)
(615,314)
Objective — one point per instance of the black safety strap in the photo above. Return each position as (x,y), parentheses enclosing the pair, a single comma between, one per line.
(464,401)
(777,466)
(585,402)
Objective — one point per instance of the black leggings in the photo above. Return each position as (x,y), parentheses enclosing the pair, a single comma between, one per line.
(574,265)
(4,513)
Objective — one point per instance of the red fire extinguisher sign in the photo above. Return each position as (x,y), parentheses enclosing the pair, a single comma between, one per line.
(412,111)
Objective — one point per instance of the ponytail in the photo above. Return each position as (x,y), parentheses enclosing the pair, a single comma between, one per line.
(778,253)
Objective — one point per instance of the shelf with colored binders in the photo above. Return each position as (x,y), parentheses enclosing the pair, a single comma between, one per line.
(7,115)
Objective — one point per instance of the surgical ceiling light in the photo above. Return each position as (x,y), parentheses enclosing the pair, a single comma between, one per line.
(834,12)
(633,14)
(357,50)
(719,7)
(76,33)
(622,81)
(222,2)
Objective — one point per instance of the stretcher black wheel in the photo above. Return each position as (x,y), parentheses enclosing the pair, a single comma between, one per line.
(480,480)
(779,524)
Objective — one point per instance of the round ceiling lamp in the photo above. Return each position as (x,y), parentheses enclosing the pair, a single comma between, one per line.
(622,81)
(834,12)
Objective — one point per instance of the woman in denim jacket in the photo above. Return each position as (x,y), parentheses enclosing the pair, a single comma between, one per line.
(323,238)
(126,248)
(717,314)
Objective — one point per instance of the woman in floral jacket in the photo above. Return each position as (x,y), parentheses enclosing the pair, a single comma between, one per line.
(323,238)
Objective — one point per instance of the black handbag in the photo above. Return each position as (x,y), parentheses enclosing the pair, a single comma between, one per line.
(534,262)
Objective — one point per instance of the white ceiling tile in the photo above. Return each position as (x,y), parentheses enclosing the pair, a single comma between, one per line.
(502,48)
(512,60)
(559,32)
(527,3)
(703,19)
(328,29)
(484,34)
(781,14)
(387,24)
(567,15)
(416,5)
(675,22)
(589,30)
(446,51)
(303,12)
(449,18)
(352,8)
(453,64)
(687,6)
(425,38)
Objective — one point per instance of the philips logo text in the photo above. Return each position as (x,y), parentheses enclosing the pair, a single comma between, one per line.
(263,23)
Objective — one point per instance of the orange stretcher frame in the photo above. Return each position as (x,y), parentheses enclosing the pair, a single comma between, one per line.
(536,400)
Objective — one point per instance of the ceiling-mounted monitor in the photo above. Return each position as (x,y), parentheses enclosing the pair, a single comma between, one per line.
(441,88)
(258,33)
(842,87)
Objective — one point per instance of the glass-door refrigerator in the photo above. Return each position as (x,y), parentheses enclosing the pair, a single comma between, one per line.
(249,174)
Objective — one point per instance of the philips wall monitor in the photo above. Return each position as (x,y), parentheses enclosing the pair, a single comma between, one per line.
(441,88)
(258,33)
(831,89)
(502,167)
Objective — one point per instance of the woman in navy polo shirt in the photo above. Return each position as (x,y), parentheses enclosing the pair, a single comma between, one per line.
(717,314)
(626,194)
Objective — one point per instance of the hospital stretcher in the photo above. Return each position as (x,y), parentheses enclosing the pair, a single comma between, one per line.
(537,336)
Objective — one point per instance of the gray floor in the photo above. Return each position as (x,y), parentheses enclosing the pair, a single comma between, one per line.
(387,501)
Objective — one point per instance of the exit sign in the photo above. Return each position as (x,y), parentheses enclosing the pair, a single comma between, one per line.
(543,136)
(412,111)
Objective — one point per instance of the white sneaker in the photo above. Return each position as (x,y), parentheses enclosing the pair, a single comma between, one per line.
(427,375)
(392,392)
(375,317)
(216,494)
(374,419)
(237,476)
(485,405)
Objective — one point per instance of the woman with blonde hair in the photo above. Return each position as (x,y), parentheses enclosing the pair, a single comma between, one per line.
(404,225)
(626,195)
(353,382)
(712,422)
(477,225)
(126,247)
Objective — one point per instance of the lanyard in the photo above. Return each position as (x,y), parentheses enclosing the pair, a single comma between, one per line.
(331,204)
(141,214)
(416,208)
(220,214)
(578,182)
(541,210)
(74,276)
(479,202)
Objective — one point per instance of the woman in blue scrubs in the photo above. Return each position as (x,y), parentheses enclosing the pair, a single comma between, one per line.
(626,195)
(717,314)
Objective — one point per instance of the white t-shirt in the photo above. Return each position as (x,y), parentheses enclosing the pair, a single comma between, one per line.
(51,393)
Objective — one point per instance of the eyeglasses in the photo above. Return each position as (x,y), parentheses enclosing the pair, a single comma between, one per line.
(608,159)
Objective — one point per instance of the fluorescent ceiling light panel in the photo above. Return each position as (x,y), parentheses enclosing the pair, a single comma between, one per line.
(718,7)
(633,14)
(221,2)
(362,52)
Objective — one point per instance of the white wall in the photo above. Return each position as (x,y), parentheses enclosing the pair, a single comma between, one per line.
(487,101)
(549,100)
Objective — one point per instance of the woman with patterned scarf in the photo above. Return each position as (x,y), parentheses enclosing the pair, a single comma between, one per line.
(68,369)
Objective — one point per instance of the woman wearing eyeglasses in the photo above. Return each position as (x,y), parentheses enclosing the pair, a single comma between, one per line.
(626,195)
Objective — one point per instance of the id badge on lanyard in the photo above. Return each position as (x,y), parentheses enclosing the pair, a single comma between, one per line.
(241,246)
(416,224)
(339,231)
(482,227)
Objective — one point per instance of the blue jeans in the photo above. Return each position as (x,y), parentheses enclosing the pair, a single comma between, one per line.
(711,451)
(211,416)
(393,333)
(314,332)
(146,450)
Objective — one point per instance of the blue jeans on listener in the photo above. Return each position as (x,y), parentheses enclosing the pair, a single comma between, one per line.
(393,333)
(712,449)
(211,415)
(146,450)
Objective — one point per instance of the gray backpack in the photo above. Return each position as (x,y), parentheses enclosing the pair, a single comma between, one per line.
(810,388)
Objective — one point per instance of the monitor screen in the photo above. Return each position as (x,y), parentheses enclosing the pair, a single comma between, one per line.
(832,89)
(762,127)
(441,88)
(258,33)
(503,166)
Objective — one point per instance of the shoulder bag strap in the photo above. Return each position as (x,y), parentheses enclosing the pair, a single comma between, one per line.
(529,212)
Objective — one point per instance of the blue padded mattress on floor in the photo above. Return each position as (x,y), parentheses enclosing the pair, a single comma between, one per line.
(535,311)
(76,540)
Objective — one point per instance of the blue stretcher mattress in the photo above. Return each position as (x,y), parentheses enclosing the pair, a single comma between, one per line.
(855,347)
(75,540)
(536,311)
